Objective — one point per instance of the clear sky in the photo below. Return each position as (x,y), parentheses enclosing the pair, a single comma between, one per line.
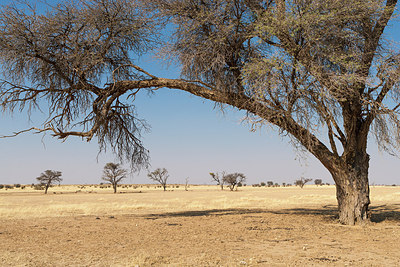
(188,137)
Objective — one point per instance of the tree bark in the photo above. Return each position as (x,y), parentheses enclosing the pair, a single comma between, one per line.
(352,191)
(115,188)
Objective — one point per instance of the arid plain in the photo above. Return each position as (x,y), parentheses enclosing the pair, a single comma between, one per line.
(204,226)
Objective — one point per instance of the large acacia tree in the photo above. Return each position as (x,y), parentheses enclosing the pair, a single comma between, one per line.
(318,70)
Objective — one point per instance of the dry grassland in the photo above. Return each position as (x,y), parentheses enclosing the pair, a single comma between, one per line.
(204,226)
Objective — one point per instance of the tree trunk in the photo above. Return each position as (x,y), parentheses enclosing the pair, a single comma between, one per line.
(352,192)
(115,188)
(46,188)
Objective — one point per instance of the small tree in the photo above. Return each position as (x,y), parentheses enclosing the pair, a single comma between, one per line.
(302,181)
(113,174)
(270,183)
(318,181)
(219,178)
(233,179)
(160,176)
(48,177)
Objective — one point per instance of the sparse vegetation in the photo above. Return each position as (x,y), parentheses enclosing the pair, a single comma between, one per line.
(318,182)
(167,224)
(218,178)
(302,181)
(114,174)
(320,71)
(160,176)
(233,179)
(49,177)
(38,187)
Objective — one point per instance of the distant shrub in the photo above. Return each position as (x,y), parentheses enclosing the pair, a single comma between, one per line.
(270,183)
(262,184)
(17,185)
(7,186)
(255,185)
(232,179)
(276,185)
(283,184)
(318,182)
(39,187)
(1,186)
(302,181)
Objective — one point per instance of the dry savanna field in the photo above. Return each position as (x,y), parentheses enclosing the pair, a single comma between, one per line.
(204,226)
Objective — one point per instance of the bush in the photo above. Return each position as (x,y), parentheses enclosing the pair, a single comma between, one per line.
(270,183)
(262,184)
(1,186)
(9,186)
(301,182)
(39,186)
(318,182)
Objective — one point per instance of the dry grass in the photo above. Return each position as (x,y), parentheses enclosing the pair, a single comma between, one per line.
(204,226)
(74,200)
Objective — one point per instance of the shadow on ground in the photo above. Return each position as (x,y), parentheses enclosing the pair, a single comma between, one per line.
(328,212)
(385,212)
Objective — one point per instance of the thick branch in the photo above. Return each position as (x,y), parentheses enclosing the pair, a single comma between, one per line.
(242,102)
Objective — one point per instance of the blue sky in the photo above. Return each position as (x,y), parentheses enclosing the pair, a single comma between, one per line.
(188,137)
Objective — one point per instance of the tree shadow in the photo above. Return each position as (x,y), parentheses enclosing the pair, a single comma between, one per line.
(199,213)
(328,213)
(385,212)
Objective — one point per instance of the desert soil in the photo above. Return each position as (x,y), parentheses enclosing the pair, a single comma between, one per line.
(200,227)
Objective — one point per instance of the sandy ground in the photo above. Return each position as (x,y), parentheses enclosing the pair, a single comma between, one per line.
(200,227)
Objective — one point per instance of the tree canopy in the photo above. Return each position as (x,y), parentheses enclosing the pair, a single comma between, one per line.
(319,70)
